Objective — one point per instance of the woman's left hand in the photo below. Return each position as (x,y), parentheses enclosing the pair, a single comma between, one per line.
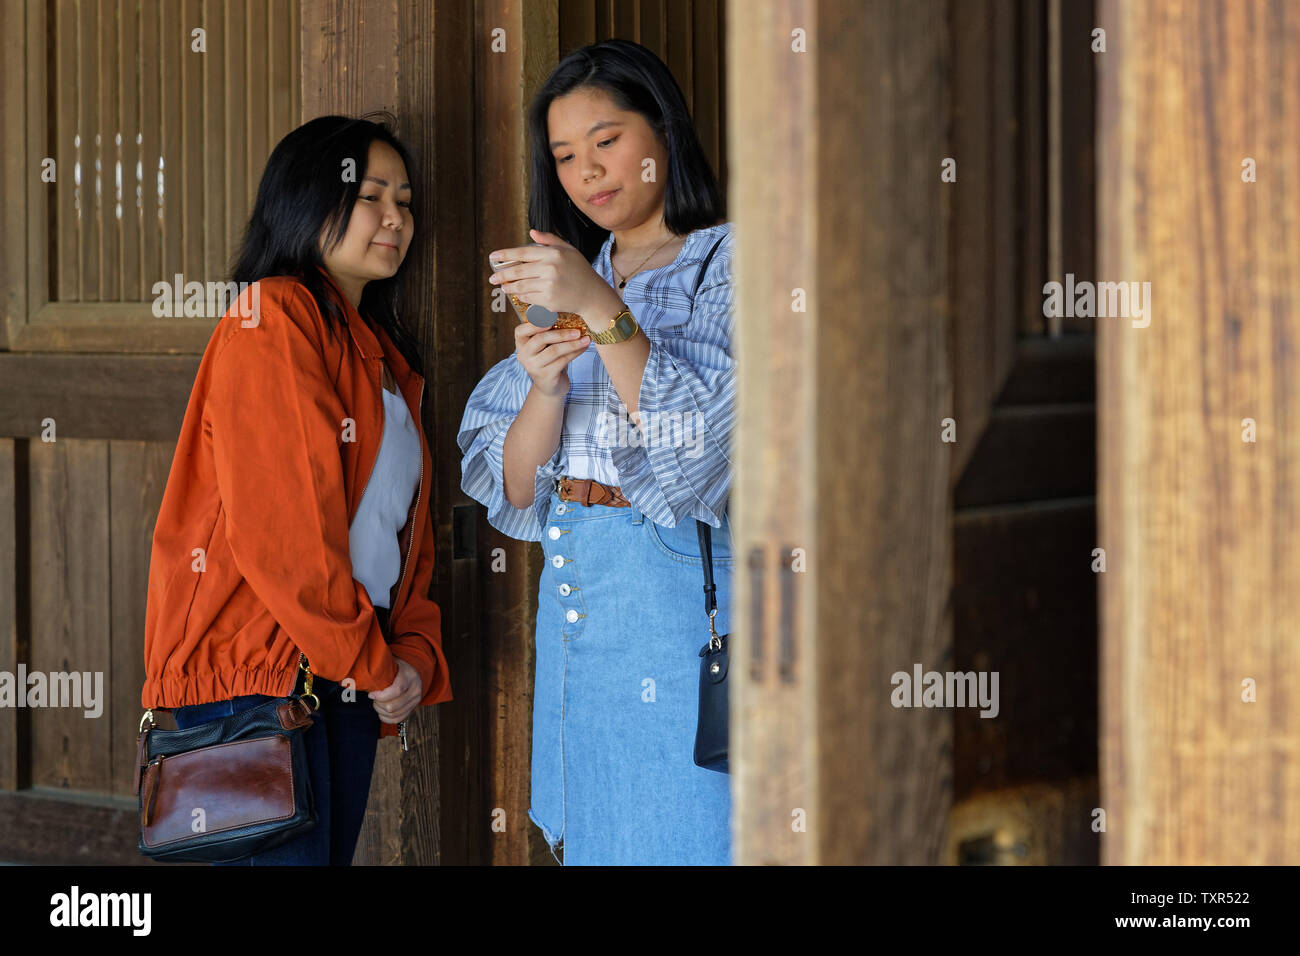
(555,275)
(395,702)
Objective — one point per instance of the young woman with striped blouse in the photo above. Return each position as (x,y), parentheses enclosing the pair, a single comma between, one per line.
(627,211)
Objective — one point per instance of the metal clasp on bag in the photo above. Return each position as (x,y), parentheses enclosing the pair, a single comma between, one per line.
(307,681)
(715,642)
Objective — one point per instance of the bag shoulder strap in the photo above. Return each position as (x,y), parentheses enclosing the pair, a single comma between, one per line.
(706,553)
(706,531)
(704,267)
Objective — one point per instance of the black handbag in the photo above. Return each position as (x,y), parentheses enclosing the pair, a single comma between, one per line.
(711,730)
(228,788)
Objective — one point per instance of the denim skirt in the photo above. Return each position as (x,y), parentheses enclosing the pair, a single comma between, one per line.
(620,623)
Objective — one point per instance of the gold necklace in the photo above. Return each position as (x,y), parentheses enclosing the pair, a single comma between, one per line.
(623,278)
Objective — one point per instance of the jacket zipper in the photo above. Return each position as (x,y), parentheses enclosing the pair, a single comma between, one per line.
(419,486)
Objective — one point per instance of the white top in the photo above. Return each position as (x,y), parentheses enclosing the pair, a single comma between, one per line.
(386,503)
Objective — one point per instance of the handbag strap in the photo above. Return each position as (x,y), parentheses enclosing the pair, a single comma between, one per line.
(706,531)
(704,267)
(710,589)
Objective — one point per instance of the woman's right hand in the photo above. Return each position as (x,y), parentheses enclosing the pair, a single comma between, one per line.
(545,355)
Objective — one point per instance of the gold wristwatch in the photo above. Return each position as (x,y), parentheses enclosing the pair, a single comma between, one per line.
(623,328)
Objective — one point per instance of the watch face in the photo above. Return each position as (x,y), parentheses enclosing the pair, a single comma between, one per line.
(623,328)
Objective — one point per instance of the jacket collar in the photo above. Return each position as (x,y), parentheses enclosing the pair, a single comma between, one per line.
(370,345)
(366,341)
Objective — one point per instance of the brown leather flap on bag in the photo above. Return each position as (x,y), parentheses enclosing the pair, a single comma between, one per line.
(222,787)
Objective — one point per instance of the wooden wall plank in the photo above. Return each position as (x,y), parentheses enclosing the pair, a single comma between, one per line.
(108,133)
(504,85)
(622,20)
(723,163)
(70,153)
(137,478)
(680,52)
(87,128)
(16,167)
(70,596)
(577,24)
(41,211)
(235,55)
(296,88)
(173,48)
(14,723)
(195,142)
(140,397)
(706,69)
(138,473)
(1202,587)
(128,104)
(151,148)
(218,226)
(110,327)
(652,25)
(256,80)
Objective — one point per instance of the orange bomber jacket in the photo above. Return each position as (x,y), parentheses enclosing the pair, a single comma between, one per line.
(250,563)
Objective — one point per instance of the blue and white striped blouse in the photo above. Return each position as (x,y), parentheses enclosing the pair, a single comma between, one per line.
(677,465)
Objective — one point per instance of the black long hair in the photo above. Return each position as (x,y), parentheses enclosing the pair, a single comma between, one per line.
(302,194)
(636,80)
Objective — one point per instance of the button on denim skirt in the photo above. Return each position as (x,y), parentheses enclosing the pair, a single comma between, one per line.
(620,624)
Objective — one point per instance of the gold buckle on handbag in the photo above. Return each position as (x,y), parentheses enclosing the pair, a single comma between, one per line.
(306,683)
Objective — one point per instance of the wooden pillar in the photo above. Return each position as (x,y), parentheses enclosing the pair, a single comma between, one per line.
(1198,516)
(836,195)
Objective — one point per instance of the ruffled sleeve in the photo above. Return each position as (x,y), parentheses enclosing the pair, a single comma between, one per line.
(680,466)
(491,410)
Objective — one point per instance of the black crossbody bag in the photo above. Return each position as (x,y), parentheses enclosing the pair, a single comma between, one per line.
(712,728)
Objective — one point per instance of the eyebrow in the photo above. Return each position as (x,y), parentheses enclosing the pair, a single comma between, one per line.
(599,126)
(384,182)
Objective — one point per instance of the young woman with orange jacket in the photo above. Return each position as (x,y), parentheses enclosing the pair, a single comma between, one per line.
(295,522)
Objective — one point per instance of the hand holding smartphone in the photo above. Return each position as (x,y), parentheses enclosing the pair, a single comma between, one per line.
(539,315)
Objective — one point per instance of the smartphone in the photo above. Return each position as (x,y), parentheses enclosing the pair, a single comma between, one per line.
(539,316)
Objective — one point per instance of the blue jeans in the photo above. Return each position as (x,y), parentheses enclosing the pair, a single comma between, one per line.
(341,746)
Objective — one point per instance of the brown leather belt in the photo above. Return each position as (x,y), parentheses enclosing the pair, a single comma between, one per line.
(587,493)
